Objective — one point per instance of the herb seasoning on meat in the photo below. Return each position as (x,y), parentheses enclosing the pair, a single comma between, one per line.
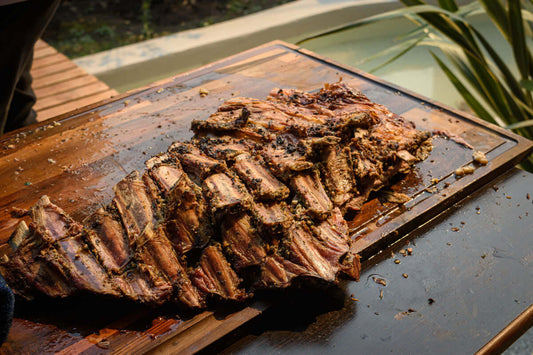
(259,194)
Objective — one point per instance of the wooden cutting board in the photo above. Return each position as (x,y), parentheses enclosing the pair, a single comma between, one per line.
(78,157)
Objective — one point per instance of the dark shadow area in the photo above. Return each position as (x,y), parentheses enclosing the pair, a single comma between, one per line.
(299,311)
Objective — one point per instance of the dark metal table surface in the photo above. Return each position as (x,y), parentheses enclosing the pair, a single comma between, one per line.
(469,275)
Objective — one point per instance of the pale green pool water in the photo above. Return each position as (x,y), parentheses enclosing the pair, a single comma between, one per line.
(416,71)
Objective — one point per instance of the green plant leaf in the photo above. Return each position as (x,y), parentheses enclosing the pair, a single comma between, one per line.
(527,164)
(527,84)
(417,32)
(477,11)
(454,53)
(496,91)
(507,75)
(384,16)
(469,98)
(526,108)
(498,14)
(407,46)
(402,47)
(527,15)
(518,115)
(523,124)
(442,43)
(473,8)
(518,38)
(444,23)
(507,107)
(448,5)
(480,79)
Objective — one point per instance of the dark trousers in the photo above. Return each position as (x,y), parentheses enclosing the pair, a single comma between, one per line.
(7,304)
(21,25)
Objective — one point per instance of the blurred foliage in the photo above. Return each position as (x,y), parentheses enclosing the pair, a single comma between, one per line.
(88,26)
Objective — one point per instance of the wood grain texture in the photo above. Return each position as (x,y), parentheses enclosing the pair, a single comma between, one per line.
(90,88)
(61,87)
(49,60)
(42,52)
(78,160)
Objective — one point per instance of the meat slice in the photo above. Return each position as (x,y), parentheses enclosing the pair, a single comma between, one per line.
(377,157)
(299,248)
(195,163)
(262,184)
(63,248)
(51,222)
(272,217)
(338,174)
(134,205)
(255,200)
(334,244)
(154,250)
(311,192)
(277,272)
(242,242)
(51,254)
(108,240)
(187,232)
(231,116)
(214,276)
(329,103)
(138,284)
(166,176)
(333,235)
(255,119)
(188,220)
(285,160)
(72,257)
(226,194)
(260,121)
(27,272)
(224,148)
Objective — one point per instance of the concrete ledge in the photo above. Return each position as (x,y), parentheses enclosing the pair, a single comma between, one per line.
(139,64)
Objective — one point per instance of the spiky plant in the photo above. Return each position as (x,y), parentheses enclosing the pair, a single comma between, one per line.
(493,90)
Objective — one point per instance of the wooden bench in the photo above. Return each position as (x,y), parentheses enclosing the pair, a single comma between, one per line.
(60,85)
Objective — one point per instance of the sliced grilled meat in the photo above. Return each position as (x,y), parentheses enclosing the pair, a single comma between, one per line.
(257,195)
(214,276)
(310,190)
(226,194)
(272,217)
(107,238)
(188,219)
(242,242)
(260,181)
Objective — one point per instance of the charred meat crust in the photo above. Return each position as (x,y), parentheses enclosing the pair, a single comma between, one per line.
(259,180)
(253,201)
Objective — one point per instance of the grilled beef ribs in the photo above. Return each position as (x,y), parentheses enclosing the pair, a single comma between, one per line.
(253,201)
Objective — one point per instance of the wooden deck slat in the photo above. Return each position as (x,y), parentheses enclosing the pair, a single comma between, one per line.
(57,110)
(52,69)
(49,60)
(71,95)
(40,44)
(63,86)
(58,78)
(60,85)
(43,52)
